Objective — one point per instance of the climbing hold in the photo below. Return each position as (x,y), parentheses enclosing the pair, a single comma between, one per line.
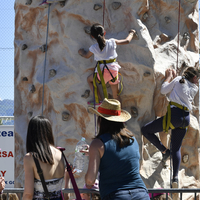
(89,110)
(164,164)
(62,3)
(43,48)
(168,20)
(136,36)
(86,94)
(164,37)
(184,65)
(146,74)
(24,46)
(116,5)
(87,29)
(32,89)
(186,36)
(52,73)
(28,2)
(97,6)
(107,85)
(191,1)
(185,158)
(145,16)
(30,114)
(65,116)
(134,112)
(25,79)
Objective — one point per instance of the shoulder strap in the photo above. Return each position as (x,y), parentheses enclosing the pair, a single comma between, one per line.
(40,173)
(105,66)
(76,190)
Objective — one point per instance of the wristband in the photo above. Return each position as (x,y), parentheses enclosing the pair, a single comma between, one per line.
(132,32)
(90,186)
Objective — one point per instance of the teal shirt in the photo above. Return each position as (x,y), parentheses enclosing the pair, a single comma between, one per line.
(119,167)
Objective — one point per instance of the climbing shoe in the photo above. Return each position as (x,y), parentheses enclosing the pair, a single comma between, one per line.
(53,1)
(91,103)
(175,182)
(44,4)
(165,155)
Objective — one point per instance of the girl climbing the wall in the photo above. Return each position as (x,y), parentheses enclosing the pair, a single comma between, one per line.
(107,67)
(182,90)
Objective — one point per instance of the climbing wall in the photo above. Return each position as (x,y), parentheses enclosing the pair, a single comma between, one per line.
(64,96)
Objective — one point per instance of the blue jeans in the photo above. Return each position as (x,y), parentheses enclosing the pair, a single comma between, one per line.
(132,194)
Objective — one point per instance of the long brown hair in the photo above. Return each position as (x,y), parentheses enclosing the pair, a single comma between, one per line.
(97,31)
(39,138)
(188,74)
(117,130)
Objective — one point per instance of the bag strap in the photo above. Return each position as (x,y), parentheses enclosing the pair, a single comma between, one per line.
(76,190)
(40,172)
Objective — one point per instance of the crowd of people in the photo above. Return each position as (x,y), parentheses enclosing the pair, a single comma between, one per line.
(114,152)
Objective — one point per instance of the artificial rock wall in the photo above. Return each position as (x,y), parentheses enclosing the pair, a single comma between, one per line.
(143,63)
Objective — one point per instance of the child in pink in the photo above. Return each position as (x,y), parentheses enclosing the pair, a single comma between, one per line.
(105,50)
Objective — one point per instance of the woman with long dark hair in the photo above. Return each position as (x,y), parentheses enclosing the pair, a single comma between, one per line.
(115,154)
(40,144)
(181,90)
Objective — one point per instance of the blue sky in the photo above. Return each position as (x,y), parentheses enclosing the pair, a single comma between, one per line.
(7,16)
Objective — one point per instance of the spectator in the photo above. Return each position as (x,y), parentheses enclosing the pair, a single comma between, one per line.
(40,144)
(2,184)
(115,154)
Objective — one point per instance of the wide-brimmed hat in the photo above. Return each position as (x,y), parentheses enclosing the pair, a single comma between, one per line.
(110,109)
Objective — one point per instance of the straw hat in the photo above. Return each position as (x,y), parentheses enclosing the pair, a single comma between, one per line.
(110,109)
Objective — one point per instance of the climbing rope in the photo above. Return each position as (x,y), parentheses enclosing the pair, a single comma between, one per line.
(179,8)
(95,117)
(104,7)
(170,165)
(45,58)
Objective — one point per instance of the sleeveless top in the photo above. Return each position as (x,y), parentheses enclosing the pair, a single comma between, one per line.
(119,167)
(54,187)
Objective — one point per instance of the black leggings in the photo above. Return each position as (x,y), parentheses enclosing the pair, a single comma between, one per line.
(179,118)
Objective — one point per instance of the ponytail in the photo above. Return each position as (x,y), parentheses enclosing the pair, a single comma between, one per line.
(97,31)
(182,80)
(188,74)
(101,42)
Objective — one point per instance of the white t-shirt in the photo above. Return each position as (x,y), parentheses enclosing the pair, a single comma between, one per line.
(109,52)
(182,94)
